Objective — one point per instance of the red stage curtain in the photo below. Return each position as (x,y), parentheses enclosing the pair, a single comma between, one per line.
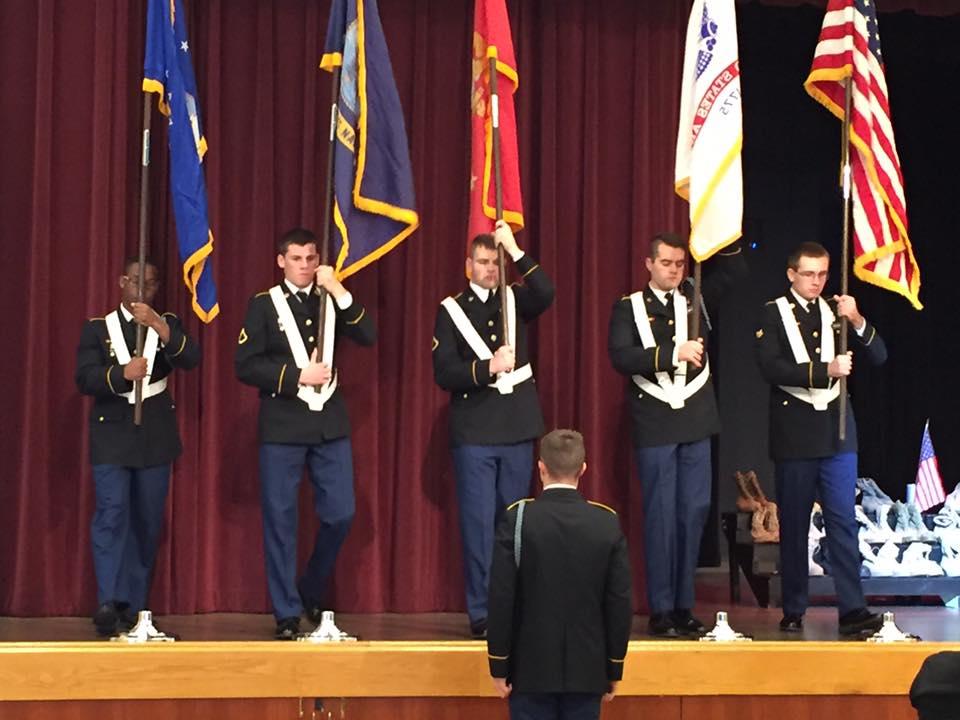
(597,109)
(597,112)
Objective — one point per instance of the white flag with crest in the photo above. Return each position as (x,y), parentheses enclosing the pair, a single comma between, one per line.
(709,174)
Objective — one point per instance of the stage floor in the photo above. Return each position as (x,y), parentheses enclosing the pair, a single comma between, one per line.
(932,624)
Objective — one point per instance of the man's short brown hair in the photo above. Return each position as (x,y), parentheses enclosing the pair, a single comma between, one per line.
(483,240)
(563,452)
(665,238)
(806,249)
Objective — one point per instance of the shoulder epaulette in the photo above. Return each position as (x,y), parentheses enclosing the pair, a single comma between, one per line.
(625,297)
(457,296)
(524,500)
(771,302)
(95,319)
(601,505)
(265,292)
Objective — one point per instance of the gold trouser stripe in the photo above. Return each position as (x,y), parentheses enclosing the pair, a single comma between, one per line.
(363,311)
(280,381)
(656,359)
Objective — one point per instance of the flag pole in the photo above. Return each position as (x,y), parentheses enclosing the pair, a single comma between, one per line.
(694,332)
(328,207)
(142,249)
(498,187)
(845,250)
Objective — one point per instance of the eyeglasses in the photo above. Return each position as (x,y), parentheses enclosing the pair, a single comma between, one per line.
(810,274)
(135,282)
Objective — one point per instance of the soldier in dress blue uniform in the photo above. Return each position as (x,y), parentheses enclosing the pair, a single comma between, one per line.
(674,413)
(560,599)
(797,351)
(131,464)
(302,421)
(494,409)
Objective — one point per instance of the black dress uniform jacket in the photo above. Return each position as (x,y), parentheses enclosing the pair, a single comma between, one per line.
(797,430)
(479,414)
(561,621)
(655,422)
(264,360)
(114,439)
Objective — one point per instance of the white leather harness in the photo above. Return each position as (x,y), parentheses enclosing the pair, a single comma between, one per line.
(119,344)
(314,398)
(673,391)
(820,398)
(506,381)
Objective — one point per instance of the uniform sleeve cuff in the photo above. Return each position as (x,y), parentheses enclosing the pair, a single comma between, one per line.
(345,300)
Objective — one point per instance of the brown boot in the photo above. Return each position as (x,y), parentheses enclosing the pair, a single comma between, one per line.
(757,531)
(753,485)
(771,523)
(745,499)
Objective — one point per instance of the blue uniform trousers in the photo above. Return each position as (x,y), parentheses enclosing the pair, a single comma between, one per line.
(675,480)
(330,469)
(125,530)
(799,483)
(489,479)
(554,706)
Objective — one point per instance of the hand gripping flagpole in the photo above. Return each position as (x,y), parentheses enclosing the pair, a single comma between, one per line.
(498,186)
(142,249)
(845,250)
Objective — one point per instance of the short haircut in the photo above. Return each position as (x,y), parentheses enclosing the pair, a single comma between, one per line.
(669,239)
(132,260)
(483,240)
(563,453)
(806,249)
(296,236)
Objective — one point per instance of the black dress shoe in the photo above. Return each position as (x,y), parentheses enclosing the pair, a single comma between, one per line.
(288,628)
(687,624)
(312,608)
(860,622)
(661,625)
(791,623)
(126,617)
(478,630)
(105,619)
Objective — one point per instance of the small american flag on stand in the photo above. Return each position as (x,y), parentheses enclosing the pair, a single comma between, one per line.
(849,47)
(930,490)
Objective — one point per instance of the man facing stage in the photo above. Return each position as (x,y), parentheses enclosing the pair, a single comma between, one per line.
(796,348)
(674,414)
(131,464)
(494,409)
(560,599)
(302,420)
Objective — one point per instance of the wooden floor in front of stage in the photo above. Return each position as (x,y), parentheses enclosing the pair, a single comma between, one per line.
(424,666)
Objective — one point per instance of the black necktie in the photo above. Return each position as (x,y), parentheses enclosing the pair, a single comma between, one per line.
(303,295)
(668,298)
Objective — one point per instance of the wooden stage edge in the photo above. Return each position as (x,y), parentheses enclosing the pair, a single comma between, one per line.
(381,669)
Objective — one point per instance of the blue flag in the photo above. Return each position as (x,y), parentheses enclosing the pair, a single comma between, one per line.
(373,183)
(168,71)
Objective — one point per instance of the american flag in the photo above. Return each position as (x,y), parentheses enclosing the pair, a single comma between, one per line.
(930,490)
(849,46)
